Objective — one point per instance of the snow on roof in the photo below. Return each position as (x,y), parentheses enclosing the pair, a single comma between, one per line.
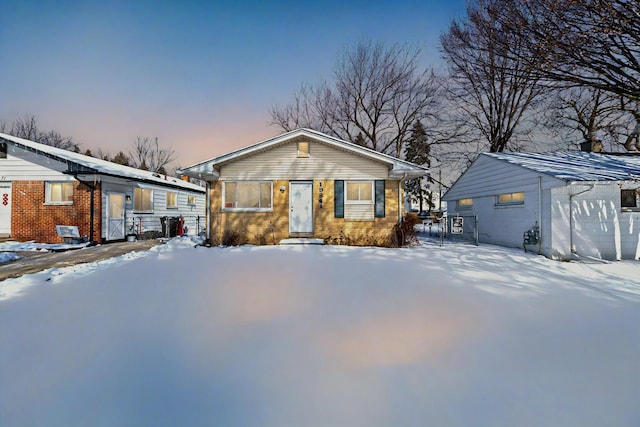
(99,166)
(399,166)
(576,165)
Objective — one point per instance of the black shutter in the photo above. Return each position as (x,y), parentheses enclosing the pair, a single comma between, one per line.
(338,198)
(379,200)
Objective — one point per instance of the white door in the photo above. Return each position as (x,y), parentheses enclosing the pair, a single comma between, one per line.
(5,208)
(301,207)
(115,216)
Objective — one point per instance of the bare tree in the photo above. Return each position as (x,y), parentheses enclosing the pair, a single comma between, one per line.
(490,93)
(147,154)
(593,43)
(376,95)
(588,116)
(27,128)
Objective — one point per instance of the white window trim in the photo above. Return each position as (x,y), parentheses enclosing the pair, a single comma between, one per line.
(224,192)
(167,200)
(47,194)
(360,202)
(191,200)
(134,200)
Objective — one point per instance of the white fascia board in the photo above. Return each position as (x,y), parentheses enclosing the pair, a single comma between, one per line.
(398,167)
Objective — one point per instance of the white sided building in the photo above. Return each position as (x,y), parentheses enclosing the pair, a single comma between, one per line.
(575,204)
(44,189)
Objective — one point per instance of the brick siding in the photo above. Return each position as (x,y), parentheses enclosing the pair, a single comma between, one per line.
(32,219)
(271,227)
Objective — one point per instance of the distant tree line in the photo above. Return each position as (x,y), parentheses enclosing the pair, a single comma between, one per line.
(145,153)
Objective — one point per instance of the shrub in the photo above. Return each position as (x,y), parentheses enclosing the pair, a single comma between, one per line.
(363,238)
(405,231)
(233,238)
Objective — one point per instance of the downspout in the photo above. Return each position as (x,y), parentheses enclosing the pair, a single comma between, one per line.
(92,189)
(539,215)
(571,196)
(400,201)
(208,212)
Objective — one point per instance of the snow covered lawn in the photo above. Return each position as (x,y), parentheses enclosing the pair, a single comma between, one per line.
(322,336)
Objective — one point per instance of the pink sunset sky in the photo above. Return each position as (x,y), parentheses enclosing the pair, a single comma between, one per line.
(200,76)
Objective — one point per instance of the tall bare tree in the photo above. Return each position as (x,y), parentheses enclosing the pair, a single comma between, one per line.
(594,43)
(147,154)
(491,94)
(377,93)
(589,116)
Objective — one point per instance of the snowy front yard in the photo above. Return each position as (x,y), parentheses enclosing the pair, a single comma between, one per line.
(322,336)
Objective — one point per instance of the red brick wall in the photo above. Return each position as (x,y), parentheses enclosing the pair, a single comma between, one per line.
(31,219)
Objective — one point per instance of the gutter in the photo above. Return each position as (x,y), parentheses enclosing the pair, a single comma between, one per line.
(92,188)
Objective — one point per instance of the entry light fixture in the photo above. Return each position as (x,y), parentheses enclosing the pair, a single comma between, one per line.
(283,189)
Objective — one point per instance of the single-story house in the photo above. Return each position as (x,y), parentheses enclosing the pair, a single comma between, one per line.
(42,187)
(304,184)
(574,203)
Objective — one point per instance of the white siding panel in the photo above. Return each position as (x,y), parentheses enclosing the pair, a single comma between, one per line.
(194,216)
(489,177)
(324,162)
(22,165)
(358,212)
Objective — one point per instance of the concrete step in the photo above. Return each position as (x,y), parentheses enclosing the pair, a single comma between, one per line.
(301,241)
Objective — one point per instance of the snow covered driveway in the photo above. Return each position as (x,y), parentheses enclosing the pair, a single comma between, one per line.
(322,336)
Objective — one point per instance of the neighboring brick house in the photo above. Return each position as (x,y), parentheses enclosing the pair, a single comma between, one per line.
(585,204)
(304,184)
(42,187)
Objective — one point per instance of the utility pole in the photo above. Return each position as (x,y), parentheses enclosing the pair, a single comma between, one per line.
(440,190)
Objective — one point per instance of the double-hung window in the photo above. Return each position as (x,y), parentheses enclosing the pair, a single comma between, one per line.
(172,200)
(59,193)
(359,201)
(247,195)
(142,200)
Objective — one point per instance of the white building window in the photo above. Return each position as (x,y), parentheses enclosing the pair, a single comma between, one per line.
(142,200)
(511,199)
(172,200)
(247,195)
(191,200)
(359,192)
(465,203)
(629,199)
(59,193)
(303,149)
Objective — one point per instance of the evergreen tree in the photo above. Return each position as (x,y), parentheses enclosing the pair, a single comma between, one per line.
(121,159)
(418,151)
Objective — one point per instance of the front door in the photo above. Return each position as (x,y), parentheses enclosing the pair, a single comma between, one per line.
(301,208)
(115,220)
(5,209)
